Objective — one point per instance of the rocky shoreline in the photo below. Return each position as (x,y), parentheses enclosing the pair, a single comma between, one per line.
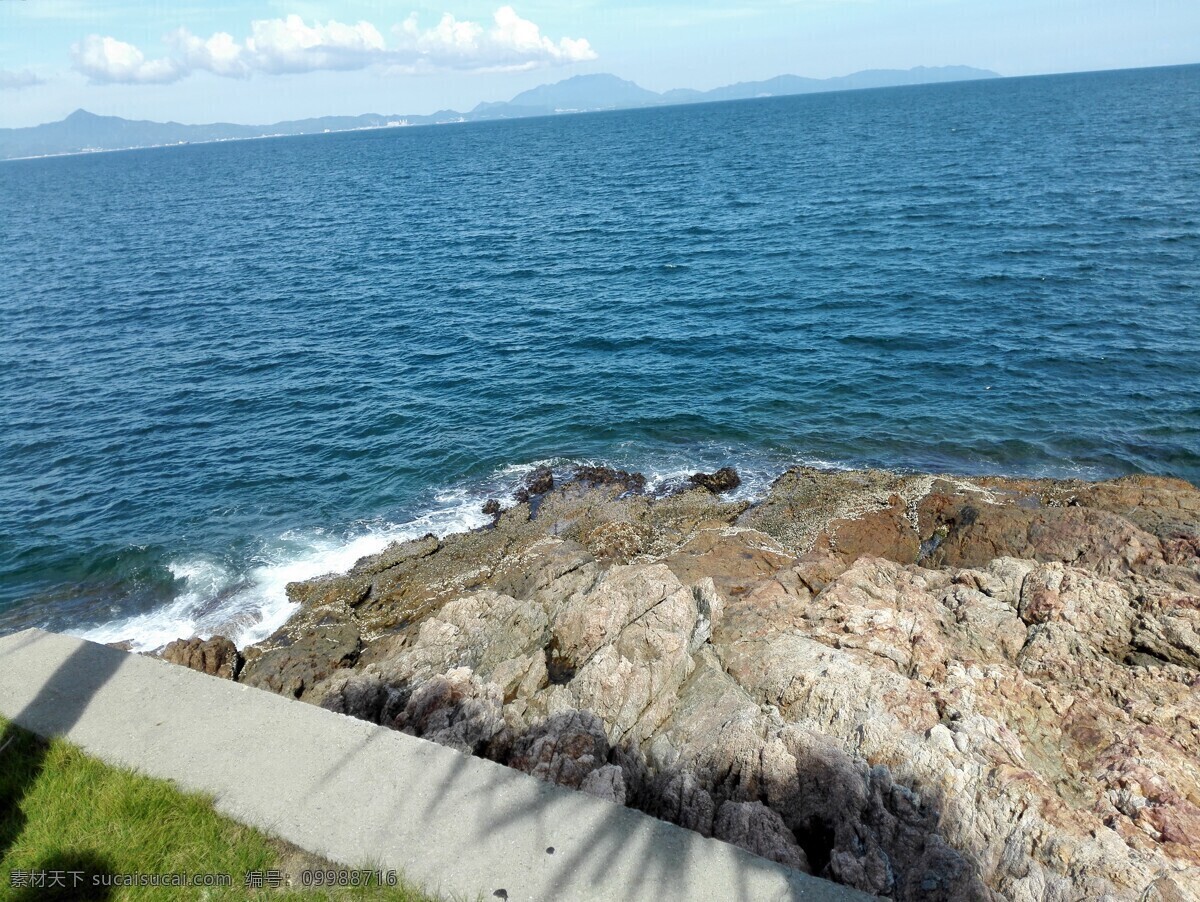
(923,687)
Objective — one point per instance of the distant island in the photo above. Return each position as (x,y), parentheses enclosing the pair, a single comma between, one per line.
(83,132)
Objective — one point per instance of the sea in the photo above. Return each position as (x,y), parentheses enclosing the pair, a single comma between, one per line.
(225,367)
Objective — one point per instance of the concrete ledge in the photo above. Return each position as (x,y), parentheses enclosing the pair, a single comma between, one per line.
(362,795)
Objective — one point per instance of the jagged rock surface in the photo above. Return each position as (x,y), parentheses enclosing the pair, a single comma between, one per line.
(922,687)
(217,656)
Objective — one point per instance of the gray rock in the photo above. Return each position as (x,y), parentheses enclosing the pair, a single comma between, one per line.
(758,829)
(606,783)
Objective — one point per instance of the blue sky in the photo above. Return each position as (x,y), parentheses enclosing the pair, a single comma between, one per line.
(265,60)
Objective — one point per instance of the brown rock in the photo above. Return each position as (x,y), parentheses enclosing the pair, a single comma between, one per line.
(456,709)
(1166,508)
(885,533)
(1168,628)
(614,541)
(977,532)
(1182,551)
(681,800)
(606,783)
(539,482)
(217,656)
(593,477)
(804,502)
(294,667)
(725,479)
(361,694)
(629,639)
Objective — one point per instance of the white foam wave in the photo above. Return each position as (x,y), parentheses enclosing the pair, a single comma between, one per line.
(249,603)
(203,580)
(250,606)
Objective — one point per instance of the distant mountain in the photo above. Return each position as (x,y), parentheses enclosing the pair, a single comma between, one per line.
(584,92)
(784,85)
(83,131)
(607,92)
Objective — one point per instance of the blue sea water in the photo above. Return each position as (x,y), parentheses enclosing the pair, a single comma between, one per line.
(226,366)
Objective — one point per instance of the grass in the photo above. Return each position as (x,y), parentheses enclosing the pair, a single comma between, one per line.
(61,811)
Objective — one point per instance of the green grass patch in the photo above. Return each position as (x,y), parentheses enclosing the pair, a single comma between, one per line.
(65,817)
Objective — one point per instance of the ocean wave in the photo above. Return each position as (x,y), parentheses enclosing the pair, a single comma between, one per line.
(249,603)
(248,606)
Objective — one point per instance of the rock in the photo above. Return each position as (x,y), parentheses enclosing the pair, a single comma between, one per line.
(614,541)
(681,800)
(625,595)
(217,656)
(709,613)
(606,783)
(758,829)
(566,749)
(480,631)
(1167,629)
(491,507)
(361,695)
(592,477)
(804,501)
(1137,783)
(1166,508)
(725,479)
(1181,550)
(455,709)
(886,533)
(629,683)
(977,533)
(539,482)
(926,688)
(1095,609)
(733,561)
(294,667)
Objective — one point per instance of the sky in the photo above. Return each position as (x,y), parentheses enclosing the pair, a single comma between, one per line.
(262,61)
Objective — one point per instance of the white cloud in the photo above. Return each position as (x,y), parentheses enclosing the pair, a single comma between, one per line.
(220,53)
(288,45)
(292,45)
(109,60)
(511,43)
(12,80)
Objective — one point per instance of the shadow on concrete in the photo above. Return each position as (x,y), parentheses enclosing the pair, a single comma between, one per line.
(57,707)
